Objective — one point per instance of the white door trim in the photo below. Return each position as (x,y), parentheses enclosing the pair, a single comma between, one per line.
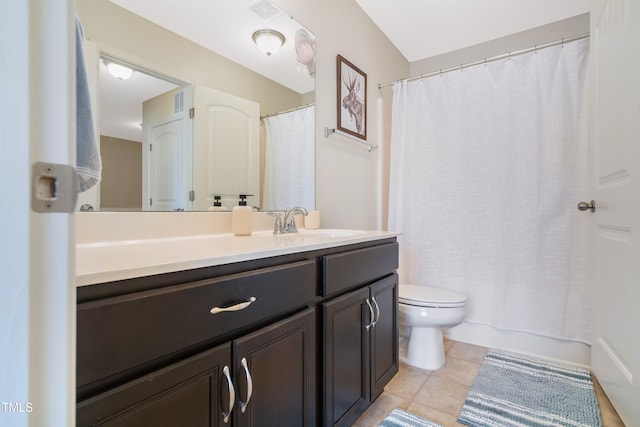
(37,339)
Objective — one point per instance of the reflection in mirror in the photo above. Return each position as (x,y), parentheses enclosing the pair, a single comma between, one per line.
(290,149)
(167,161)
(122,101)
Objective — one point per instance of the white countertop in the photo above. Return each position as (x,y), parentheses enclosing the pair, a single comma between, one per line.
(100,262)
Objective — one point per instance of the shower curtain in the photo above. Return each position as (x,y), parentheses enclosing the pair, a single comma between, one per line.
(289,176)
(487,166)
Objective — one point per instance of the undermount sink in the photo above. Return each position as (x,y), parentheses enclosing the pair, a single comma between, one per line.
(320,233)
(331,233)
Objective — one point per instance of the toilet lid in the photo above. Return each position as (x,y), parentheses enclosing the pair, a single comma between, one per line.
(425,296)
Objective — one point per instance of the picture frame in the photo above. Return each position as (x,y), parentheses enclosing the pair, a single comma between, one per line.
(352,99)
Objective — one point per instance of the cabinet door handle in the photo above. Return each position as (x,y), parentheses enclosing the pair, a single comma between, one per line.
(375,303)
(371,313)
(243,405)
(232,394)
(235,307)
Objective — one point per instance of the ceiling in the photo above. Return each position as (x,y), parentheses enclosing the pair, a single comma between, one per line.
(421,29)
(418,28)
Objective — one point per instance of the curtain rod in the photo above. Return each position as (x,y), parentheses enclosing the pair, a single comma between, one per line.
(287,111)
(486,60)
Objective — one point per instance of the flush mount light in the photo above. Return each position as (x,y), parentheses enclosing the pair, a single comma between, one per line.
(268,41)
(118,71)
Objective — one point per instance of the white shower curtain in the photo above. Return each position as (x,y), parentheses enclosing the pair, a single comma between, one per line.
(289,178)
(487,166)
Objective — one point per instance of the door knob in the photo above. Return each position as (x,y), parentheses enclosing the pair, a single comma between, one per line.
(583,206)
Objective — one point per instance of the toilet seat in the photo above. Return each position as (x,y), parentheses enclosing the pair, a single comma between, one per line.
(425,296)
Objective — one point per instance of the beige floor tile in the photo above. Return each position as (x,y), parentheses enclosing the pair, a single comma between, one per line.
(447,344)
(446,420)
(442,393)
(458,370)
(377,412)
(610,417)
(407,382)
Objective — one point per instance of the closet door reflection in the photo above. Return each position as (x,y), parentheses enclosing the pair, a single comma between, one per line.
(166,158)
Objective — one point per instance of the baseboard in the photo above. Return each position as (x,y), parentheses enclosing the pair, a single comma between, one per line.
(572,352)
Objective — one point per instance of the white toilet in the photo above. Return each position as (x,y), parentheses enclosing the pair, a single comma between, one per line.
(427,311)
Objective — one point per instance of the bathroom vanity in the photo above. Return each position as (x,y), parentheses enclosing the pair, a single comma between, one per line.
(261,331)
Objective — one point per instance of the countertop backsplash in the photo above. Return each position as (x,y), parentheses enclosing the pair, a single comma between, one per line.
(94,227)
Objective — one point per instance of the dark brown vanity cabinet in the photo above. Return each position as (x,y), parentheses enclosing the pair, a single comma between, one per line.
(187,354)
(278,363)
(192,392)
(360,335)
(266,342)
(262,378)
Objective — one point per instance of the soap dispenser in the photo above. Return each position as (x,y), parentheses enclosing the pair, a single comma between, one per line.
(217,205)
(242,218)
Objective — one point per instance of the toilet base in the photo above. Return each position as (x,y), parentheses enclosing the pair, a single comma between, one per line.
(425,349)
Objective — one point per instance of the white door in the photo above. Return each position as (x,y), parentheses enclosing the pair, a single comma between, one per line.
(167,151)
(167,190)
(226,147)
(37,286)
(615,351)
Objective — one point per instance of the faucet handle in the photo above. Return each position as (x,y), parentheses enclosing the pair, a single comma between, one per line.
(291,225)
(278,228)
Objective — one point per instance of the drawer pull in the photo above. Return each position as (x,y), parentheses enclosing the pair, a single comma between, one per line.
(236,307)
(372,315)
(375,303)
(243,405)
(232,394)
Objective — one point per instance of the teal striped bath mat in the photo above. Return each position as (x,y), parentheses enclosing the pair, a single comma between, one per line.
(516,390)
(400,418)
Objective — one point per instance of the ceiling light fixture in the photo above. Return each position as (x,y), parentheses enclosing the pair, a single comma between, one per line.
(268,41)
(118,71)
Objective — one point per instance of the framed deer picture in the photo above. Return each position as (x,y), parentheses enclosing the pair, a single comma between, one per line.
(352,99)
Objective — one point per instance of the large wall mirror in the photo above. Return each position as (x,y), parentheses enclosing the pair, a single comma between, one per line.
(205,112)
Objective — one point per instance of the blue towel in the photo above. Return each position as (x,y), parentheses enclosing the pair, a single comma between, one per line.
(88,162)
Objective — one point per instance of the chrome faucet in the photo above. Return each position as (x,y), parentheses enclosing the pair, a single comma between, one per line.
(288,224)
(290,220)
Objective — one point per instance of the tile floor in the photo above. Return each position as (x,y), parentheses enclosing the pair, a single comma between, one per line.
(439,395)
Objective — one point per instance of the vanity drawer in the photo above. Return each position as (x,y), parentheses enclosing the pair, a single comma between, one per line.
(120,333)
(346,270)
